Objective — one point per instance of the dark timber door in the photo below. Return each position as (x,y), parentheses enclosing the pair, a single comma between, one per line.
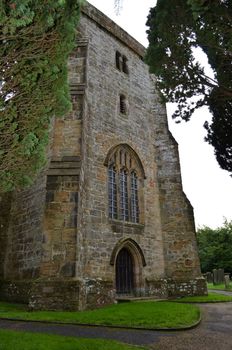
(124,272)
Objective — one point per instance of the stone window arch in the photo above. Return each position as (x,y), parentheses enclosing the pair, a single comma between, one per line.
(125,185)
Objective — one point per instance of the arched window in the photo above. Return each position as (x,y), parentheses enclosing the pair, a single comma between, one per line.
(125,184)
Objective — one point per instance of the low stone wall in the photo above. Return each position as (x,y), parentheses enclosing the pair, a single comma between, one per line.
(157,288)
(55,295)
(169,288)
(97,293)
(18,291)
(192,287)
(42,295)
(88,293)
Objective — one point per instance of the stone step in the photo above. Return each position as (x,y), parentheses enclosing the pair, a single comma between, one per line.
(121,299)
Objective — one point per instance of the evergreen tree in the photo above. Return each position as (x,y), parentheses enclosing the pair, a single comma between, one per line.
(36,37)
(176,28)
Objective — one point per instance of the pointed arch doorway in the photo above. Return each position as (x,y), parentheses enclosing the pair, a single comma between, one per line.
(128,261)
(124,272)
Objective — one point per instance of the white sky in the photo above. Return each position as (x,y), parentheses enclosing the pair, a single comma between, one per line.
(208,187)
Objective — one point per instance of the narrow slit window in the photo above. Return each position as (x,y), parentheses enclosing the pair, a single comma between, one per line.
(123,104)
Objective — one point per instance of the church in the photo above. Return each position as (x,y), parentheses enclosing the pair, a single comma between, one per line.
(107,219)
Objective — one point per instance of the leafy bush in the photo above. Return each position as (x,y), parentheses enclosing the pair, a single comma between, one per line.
(215,247)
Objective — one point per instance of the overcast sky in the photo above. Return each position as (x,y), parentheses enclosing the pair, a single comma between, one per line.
(208,187)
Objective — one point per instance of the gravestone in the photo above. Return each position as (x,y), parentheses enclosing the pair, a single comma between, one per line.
(215,276)
(221,276)
(218,276)
(209,277)
(227,280)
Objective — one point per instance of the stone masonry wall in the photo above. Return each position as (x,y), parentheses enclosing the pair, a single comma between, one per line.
(167,237)
(24,235)
(60,222)
(5,205)
(103,128)
(180,248)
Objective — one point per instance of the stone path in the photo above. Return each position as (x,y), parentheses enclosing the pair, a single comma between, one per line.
(135,337)
(218,291)
(214,332)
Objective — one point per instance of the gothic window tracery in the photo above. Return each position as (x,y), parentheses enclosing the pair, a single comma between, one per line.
(125,185)
(134,198)
(124,203)
(112,192)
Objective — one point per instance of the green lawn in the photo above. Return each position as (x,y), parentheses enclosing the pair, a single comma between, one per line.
(219,286)
(210,298)
(133,314)
(11,340)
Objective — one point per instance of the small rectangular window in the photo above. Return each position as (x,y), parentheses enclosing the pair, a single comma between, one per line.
(123,104)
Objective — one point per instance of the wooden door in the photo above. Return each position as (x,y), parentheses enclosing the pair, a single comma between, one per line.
(124,272)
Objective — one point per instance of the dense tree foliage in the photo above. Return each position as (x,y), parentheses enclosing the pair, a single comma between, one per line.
(36,37)
(176,29)
(215,247)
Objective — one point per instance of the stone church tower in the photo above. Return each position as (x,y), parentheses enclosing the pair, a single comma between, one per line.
(107,218)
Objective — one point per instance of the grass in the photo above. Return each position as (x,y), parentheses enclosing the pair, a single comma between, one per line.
(133,314)
(210,298)
(11,340)
(219,286)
